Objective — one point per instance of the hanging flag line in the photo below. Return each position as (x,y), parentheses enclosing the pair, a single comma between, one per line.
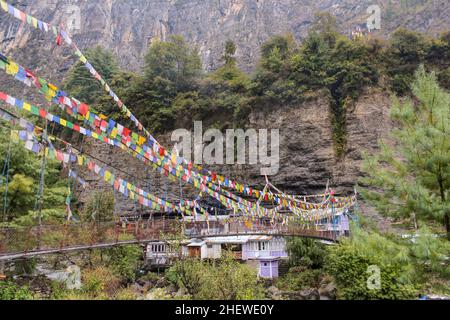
(20,104)
(229,203)
(59,32)
(127,189)
(52,93)
(45,27)
(119,184)
(66,157)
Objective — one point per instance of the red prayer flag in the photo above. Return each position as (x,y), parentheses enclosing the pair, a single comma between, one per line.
(83,109)
(126,132)
(59,40)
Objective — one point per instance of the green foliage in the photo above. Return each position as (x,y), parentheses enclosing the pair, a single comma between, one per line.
(99,207)
(173,60)
(82,85)
(306,252)
(226,279)
(23,183)
(173,90)
(11,291)
(125,261)
(430,254)
(230,50)
(406,52)
(299,278)
(348,263)
(413,178)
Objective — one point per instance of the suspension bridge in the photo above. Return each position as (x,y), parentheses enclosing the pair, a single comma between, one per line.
(249,211)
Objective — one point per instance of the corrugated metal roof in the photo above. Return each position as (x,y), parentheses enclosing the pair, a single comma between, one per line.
(260,238)
(231,239)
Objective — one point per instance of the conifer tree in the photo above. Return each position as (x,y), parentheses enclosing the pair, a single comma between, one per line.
(412,177)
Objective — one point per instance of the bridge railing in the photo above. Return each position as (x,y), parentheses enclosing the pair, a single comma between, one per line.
(29,239)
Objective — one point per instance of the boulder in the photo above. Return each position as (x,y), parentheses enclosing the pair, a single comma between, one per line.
(309,294)
(328,290)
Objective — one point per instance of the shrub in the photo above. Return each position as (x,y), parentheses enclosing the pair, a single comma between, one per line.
(125,261)
(11,291)
(348,263)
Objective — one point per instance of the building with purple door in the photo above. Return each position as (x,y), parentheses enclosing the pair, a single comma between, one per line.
(268,267)
(262,252)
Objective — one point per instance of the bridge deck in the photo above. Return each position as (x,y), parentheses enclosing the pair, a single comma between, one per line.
(11,248)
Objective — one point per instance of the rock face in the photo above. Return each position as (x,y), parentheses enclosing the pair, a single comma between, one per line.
(128,27)
(307,154)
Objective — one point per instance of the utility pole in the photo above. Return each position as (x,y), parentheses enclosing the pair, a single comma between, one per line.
(41,185)
(40,202)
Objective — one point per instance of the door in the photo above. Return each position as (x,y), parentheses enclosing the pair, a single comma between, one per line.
(265,269)
(194,252)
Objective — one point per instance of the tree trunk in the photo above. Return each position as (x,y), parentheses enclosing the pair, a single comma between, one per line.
(446,214)
(447,225)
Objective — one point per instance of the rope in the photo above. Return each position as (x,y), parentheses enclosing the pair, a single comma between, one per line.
(6,168)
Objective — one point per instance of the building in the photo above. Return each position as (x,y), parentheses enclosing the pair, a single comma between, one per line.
(261,252)
(161,253)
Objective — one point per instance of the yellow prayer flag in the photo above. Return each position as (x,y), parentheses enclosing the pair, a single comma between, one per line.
(4,6)
(12,68)
(26,106)
(15,136)
(63,122)
(52,87)
(80,160)
(114,132)
(34,22)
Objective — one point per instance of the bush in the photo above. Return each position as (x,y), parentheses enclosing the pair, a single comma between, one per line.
(306,252)
(349,264)
(226,279)
(11,291)
(299,278)
(125,261)
(99,283)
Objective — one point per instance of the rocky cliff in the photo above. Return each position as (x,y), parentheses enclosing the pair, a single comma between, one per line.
(307,154)
(128,27)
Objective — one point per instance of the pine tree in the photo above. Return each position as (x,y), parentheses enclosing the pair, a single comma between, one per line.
(411,178)
(82,85)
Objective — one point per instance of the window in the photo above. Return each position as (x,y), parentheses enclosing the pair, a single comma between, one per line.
(210,246)
(263,245)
